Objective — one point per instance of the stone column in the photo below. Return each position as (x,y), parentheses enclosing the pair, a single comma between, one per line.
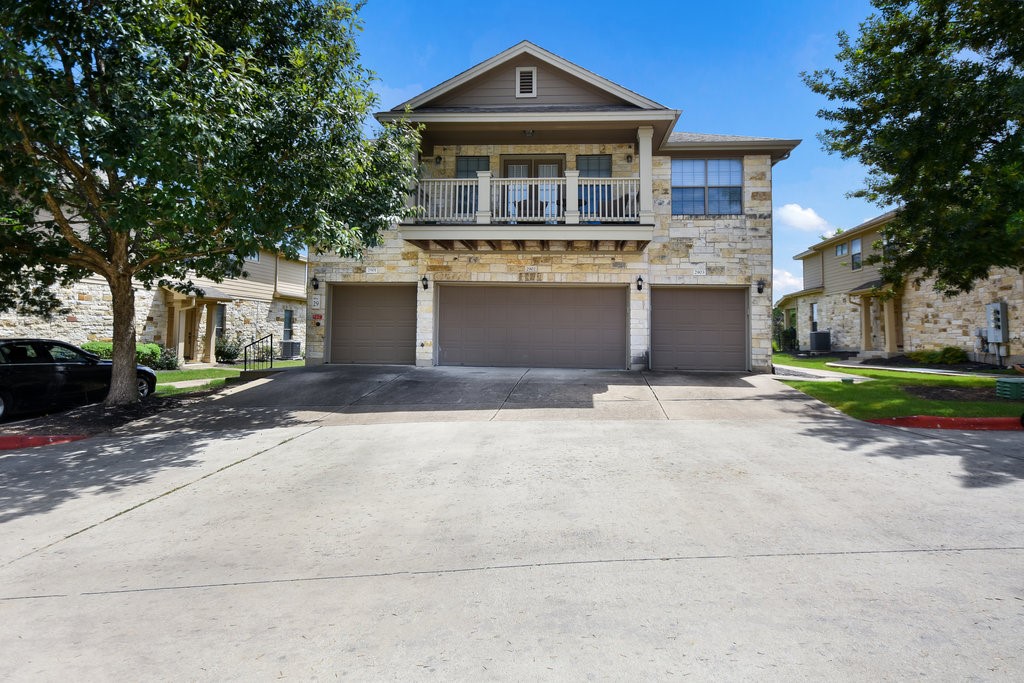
(211,338)
(865,324)
(891,336)
(645,136)
(180,332)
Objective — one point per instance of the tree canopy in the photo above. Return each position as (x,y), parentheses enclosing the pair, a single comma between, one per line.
(930,98)
(156,141)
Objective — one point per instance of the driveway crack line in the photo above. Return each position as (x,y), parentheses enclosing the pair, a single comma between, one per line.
(532,565)
(509,395)
(655,395)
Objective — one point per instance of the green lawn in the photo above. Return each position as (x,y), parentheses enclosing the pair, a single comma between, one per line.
(215,375)
(885,396)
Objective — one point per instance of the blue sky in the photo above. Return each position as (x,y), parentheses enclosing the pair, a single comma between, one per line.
(732,68)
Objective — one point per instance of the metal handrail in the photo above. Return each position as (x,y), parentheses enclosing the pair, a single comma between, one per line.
(259,355)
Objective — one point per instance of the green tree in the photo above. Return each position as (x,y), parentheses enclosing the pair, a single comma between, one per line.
(168,139)
(930,99)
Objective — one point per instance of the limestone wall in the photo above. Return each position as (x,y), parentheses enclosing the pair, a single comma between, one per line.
(91,316)
(704,251)
(932,321)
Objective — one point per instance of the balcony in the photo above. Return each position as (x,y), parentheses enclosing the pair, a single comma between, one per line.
(600,214)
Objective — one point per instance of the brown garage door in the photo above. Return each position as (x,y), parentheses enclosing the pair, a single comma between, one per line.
(373,324)
(529,326)
(698,329)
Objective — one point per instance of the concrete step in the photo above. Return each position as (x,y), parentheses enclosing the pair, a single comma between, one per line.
(250,375)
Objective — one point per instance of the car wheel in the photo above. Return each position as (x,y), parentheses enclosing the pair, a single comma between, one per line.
(143,386)
(6,406)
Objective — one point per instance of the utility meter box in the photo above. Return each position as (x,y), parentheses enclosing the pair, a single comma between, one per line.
(998,328)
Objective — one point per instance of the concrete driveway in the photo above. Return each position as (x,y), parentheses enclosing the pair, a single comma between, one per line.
(383,523)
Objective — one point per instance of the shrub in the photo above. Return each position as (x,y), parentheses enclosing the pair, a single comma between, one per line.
(167,360)
(227,350)
(949,355)
(148,354)
(145,354)
(100,348)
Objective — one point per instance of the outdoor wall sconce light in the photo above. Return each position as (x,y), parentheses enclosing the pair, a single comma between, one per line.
(760,286)
(315,283)
(438,159)
(629,158)
(424,282)
(639,283)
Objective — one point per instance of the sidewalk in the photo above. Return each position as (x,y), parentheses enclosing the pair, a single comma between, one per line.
(815,375)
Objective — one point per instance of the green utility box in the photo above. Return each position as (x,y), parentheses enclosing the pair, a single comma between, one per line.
(1010,387)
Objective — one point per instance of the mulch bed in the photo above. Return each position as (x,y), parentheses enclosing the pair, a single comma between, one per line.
(905,362)
(951,393)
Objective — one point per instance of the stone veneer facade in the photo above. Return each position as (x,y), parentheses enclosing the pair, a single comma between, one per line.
(928,319)
(91,317)
(932,321)
(697,251)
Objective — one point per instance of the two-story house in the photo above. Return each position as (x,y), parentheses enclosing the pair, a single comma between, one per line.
(270,300)
(844,295)
(561,223)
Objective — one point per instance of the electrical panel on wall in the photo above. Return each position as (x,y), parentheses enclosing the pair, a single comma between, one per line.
(998,329)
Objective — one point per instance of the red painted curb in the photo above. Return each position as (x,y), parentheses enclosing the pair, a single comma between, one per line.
(30,440)
(973,424)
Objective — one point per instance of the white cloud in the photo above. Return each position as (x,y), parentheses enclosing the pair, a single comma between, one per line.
(784,282)
(804,219)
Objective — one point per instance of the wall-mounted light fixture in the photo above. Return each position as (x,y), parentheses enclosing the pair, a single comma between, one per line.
(424,282)
(760,286)
(314,283)
(438,159)
(639,283)
(629,158)
(528,132)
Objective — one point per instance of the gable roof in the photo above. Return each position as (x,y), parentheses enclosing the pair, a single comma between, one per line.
(527,48)
(866,226)
(779,148)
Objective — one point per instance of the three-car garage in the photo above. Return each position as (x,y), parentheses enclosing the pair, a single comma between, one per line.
(562,326)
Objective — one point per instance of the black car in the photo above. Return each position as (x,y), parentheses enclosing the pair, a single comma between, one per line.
(44,374)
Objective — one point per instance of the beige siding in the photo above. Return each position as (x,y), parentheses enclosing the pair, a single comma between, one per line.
(498,87)
(291,278)
(258,286)
(812,271)
(839,276)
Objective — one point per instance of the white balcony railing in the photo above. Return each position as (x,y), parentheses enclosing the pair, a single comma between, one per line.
(447,200)
(570,200)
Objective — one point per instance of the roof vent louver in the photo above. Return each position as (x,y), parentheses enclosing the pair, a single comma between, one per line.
(526,81)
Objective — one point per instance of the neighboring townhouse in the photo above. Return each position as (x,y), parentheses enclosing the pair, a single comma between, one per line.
(844,296)
(271,300)
(562,223)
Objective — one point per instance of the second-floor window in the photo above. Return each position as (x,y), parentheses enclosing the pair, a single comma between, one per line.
(855,254)
(707,186)
(842,249)
(466,167)
(594,165)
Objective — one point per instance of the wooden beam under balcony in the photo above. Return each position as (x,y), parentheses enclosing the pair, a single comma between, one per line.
(473,237)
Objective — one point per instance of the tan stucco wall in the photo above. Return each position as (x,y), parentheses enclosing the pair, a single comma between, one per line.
(712,251)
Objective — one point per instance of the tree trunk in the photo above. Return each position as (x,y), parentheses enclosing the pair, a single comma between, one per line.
(123,390)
